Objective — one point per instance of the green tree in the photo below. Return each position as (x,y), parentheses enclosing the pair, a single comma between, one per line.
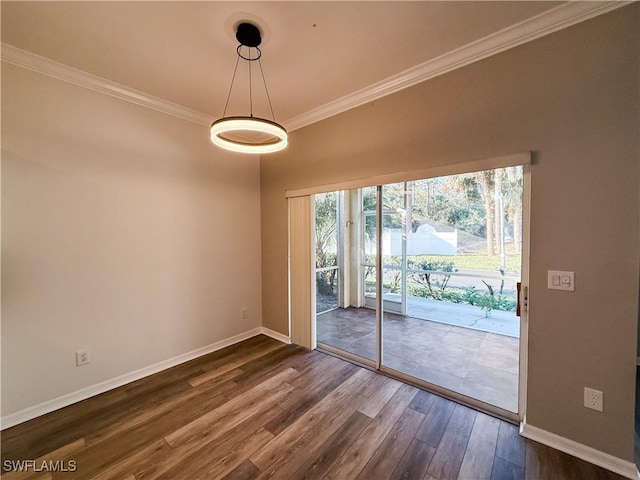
(326,223)
(486,182)
(454,200)
(326,239)
(512,192)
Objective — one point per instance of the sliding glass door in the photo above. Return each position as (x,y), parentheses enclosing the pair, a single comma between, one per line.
(447,253)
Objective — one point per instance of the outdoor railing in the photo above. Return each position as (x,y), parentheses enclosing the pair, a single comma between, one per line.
(326,269)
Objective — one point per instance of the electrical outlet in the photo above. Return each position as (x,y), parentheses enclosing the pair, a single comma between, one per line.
(82,357)
(244,313)
(593,399)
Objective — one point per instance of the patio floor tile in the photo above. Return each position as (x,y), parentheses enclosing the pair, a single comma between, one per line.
(476,363)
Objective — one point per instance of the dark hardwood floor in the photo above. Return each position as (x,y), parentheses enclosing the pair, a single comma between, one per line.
(261,409)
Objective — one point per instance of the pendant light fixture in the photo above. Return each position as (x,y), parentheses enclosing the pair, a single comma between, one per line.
(248,134)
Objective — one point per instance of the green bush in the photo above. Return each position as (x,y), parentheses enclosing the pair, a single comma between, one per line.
(432,280)
(485,300)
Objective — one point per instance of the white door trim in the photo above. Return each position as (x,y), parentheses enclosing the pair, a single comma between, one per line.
(524,280)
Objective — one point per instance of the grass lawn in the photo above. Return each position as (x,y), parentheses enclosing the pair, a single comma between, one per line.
(475,261)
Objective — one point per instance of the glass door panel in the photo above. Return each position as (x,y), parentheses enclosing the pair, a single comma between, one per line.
(342,322)
(394,254)
(461,261)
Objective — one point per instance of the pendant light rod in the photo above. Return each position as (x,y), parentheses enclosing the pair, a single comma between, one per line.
(264,82)
(250,89)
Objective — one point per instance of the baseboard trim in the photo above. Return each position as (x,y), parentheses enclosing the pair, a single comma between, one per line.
(87,392)
(275,335)
(614,464)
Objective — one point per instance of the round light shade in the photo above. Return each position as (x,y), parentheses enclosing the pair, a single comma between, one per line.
(248,125)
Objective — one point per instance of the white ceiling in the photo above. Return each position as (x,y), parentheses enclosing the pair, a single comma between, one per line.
(313,52)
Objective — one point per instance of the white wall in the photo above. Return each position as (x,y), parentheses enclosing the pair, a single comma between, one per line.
(124,231)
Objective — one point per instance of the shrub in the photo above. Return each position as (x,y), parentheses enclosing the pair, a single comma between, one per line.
(430,279)
(486,301)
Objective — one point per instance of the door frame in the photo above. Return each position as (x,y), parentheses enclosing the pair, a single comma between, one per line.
(523,299)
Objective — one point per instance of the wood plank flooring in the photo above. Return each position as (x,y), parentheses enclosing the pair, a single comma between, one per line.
(264,410)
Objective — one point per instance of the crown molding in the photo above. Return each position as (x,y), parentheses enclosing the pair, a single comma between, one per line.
(61,71)
(552,20)
(557,18)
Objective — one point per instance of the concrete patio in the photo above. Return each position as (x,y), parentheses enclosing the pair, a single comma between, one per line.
(467,360)
(461,314)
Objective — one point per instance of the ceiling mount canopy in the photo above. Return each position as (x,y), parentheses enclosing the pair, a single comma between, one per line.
(249,35)
(248,134)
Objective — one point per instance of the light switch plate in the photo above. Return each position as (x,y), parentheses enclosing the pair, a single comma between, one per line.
(558,280)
